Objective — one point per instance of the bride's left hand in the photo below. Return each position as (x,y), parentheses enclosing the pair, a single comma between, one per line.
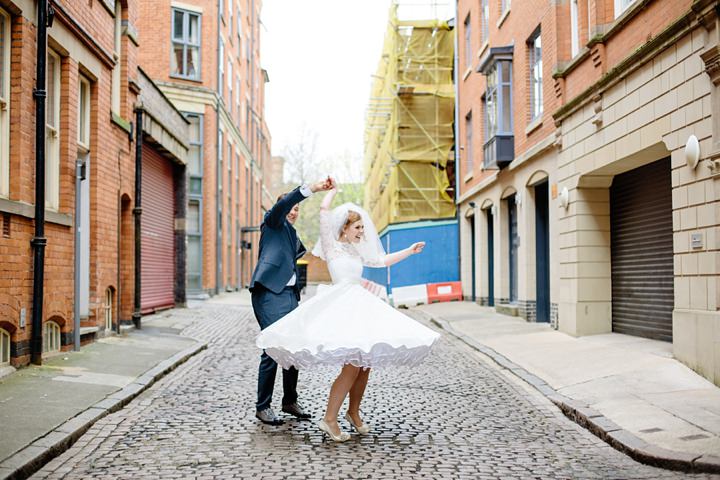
(417,247)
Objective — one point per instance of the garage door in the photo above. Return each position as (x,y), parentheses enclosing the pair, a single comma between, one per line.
(158,232)
(642,251)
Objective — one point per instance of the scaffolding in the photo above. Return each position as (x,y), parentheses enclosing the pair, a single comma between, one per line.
(409,140)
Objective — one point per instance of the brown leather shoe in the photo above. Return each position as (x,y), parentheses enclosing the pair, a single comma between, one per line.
(296,410)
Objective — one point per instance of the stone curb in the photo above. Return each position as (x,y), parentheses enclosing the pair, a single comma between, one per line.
(601,426)
(33,457)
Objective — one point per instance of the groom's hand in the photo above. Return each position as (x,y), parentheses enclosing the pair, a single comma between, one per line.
(322,185)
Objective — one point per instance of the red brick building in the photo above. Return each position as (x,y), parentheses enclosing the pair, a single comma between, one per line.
(93,86)
(206,59)
(588,178)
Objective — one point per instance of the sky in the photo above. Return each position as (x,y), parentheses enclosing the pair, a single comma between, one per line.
(320,55)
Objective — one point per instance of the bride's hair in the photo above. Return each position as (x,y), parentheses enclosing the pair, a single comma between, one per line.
(352,217)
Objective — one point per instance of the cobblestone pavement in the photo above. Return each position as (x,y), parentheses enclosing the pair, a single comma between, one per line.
(453,417)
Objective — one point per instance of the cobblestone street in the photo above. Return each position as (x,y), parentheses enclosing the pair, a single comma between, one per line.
(454,417)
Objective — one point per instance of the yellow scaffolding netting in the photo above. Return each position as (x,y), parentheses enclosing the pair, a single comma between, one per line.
(409,140)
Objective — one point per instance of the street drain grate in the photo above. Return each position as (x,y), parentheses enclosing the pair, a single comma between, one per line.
(698,436)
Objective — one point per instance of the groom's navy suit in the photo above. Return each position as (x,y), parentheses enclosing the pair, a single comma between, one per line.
(272,298)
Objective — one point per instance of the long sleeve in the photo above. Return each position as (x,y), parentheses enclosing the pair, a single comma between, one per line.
(327,237)
(275,217)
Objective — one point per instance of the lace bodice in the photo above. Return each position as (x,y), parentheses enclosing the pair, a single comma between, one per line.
(344,261)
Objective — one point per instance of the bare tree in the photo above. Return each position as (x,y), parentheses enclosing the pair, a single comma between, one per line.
(302,164)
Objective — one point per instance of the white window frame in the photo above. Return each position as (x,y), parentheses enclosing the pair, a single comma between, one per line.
(52,132)
(504,6)
(621,6)
(469,160)
(83,115)
(536,75)
(186,43)
(485,21)
(467,25)
(4,347)
(5,104)
(574,28)
(115,96)
(52,338)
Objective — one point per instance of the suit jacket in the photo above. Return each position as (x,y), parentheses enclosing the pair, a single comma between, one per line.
(280,246)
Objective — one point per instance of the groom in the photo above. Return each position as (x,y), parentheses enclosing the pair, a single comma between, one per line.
(275,293)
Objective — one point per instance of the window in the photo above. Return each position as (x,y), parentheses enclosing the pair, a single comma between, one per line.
(468,143)
(239,32)
(468,42)
(51,337)
(504,6)
(108,309)
(535,62)
(237,100)
(485,20)
(230,18)
(84,114)
(499,147)
(4,104)
(221,7)
(4,348)
(221,71)
(621,6)
(185,60)
(574,29)
(52,132)
(230,156)
(230,80)
(117,69)
(194,211)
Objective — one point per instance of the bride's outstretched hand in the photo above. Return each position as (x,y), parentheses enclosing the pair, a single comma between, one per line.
(417,247)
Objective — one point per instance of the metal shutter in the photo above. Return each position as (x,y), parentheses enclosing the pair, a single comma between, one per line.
(642,251)
(158,232)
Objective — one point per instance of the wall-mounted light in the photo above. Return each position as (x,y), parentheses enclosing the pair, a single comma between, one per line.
(692,152)
(564,197)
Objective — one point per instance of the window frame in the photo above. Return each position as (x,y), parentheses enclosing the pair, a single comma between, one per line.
(504,6)
(5,72)
(484,21)
(221,71)
(535,66)
(498,117)
(52,338)
(84,116)
(619,8)
(574,28)
(185,42)
(467,25)
(469,160)
(4,347)
(53,131)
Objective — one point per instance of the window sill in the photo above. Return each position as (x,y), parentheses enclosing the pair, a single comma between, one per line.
(534,125)
(468,177)
(28,211)
(467,73)
(482,50)
(189,79)
(503,17)
(121,122)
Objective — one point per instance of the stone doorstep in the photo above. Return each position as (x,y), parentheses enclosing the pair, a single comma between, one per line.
(33,457)
(590,419)
(507,309)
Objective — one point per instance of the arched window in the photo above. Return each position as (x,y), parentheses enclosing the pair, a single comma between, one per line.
(4,348)
(51,337)
(108,309)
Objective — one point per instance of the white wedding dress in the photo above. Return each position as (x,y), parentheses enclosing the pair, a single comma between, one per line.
(345,323)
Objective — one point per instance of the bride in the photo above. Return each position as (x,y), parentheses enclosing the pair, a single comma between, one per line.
(345,324)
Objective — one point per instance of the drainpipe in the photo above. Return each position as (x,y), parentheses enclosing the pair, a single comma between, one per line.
(137,212)
(218,183)
(456,129)
(39,241)
(79,177)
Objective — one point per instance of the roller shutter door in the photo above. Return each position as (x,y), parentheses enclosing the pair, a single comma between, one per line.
(642,251)
(158,232)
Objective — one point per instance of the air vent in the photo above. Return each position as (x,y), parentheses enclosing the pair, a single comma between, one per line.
(6,225)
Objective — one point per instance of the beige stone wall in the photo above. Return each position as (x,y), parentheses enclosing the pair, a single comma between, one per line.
(646,115)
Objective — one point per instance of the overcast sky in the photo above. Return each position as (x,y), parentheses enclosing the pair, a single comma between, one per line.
(320,55)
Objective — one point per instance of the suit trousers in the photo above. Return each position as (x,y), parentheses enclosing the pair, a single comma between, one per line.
(270,307)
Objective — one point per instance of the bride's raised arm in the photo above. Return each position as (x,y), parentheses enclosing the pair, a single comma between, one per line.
(400,255)
(327,201)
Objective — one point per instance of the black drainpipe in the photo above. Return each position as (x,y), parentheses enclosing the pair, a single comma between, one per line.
(137,212)
(39,241)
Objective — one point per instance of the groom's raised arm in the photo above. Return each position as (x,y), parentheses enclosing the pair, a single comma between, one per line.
(275,217)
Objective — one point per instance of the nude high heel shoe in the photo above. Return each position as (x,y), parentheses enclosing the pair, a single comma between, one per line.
(343,437)
(363,429)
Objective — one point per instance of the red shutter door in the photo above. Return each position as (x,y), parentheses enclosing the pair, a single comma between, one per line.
(158,232)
